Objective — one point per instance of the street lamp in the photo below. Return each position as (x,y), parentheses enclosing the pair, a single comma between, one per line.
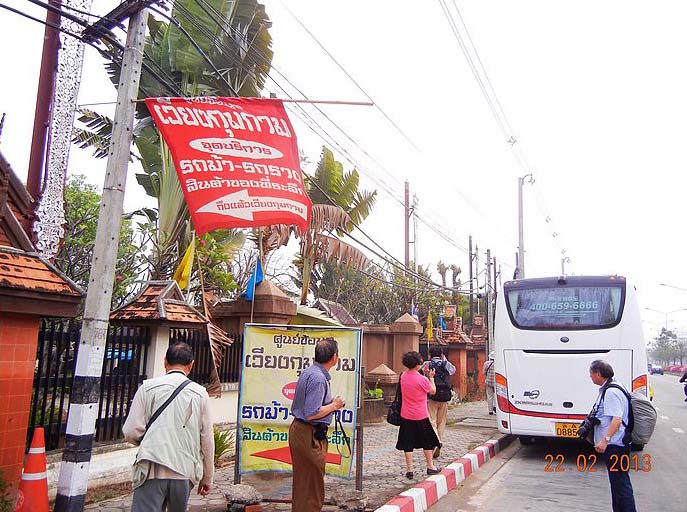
(666,313)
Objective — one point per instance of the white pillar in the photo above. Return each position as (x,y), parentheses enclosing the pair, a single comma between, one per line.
(159,342)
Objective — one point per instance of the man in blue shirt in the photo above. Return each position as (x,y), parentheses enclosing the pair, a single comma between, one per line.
(312,410)
(613,409)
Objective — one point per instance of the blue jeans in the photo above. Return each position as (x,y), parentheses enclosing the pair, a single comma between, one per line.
(622,496)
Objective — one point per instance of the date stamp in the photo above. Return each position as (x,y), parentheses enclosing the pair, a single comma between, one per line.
(588,463)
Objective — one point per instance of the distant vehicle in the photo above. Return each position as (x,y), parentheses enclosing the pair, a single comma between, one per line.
(654,369)
(547,333)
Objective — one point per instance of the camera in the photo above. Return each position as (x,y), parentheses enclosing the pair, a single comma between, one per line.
(320,431)
(587,427)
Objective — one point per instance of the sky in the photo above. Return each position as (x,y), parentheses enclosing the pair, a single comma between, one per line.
(593,93)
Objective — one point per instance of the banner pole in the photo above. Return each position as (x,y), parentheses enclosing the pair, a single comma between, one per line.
(359,436)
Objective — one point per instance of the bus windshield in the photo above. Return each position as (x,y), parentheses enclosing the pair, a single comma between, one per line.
(565,307)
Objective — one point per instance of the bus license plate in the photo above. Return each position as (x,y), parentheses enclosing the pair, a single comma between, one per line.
(567,429)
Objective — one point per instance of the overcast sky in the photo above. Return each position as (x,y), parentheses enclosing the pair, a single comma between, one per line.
(594,93)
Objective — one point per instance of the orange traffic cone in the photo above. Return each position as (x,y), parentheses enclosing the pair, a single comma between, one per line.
(33,487)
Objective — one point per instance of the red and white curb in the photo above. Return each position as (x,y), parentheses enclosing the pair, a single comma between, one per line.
(425,494)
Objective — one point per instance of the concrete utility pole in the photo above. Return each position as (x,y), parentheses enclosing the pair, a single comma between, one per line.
(521,235)
(472,305)
(415,201)
(406,220)
(489,294)
(84,397)
(564,260)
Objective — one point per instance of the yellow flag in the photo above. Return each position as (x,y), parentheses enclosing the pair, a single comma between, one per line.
(181,276)
(429,325)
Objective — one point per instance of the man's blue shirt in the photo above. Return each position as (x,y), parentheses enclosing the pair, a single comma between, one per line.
(312,392)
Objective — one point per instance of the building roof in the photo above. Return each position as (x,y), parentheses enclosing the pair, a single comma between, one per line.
(159,301)
(32,285)
(336,311)
(16,210)
(311,316)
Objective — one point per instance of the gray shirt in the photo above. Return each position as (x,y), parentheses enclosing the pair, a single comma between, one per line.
(313,390)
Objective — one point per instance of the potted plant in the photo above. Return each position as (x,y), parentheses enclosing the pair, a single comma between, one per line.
(373,404)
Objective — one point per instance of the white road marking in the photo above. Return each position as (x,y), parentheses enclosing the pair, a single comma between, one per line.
(678,430)
(665,418)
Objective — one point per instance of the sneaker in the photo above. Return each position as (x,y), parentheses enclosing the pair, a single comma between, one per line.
(433,471)
(437,452)
(685,399)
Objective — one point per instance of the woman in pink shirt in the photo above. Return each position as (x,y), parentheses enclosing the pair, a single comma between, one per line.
(416,431)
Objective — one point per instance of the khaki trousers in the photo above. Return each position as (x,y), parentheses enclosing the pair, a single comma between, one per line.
(308,457)
(437,416)
(490,399)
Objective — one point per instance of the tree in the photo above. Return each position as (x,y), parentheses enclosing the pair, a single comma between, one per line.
(82,207)
(235,37)
(442,269)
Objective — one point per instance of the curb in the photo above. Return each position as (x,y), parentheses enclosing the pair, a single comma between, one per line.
(426,493)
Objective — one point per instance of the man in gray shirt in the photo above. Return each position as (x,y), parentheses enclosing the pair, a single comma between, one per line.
(312,410)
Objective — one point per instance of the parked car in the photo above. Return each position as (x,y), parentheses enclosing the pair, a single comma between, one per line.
(656,369)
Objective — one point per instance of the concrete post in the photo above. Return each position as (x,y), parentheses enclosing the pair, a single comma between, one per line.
(159,342)
(406,337)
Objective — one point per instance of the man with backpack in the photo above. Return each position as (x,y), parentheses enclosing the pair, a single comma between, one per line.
(613,415)
(438,402)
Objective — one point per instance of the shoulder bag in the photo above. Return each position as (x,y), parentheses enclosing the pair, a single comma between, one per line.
(393,416)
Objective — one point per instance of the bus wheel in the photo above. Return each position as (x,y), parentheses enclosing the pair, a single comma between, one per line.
(526,440)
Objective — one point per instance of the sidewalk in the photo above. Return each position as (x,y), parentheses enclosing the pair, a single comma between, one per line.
(468,426)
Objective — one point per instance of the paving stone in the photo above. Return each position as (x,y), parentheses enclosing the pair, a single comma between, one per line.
(383,466)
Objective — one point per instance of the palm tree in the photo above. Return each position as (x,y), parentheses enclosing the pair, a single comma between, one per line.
(442,269)
(234,35)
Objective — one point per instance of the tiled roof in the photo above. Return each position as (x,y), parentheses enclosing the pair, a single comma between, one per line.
(336,311)
(28,272)
(159,301)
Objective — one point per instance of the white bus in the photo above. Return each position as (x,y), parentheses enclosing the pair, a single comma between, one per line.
(547,332)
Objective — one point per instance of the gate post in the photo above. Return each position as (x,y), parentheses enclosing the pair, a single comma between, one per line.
(159,342)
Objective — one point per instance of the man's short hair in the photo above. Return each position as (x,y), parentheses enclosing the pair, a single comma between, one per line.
(179,353)
(435,351)
(325,349)
(411,359)
(602,368)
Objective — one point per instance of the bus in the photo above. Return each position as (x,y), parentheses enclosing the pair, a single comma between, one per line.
(547,331)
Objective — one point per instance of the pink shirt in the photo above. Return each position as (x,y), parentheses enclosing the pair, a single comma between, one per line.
(414,389)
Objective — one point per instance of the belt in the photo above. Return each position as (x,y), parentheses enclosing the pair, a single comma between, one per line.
(314,425)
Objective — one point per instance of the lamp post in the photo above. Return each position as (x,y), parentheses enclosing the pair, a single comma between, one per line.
(666,313)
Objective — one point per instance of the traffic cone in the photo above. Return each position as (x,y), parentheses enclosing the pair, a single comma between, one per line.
(33,487)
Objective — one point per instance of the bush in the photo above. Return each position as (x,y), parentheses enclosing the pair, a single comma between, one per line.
(6,504)
(376,392)
(225,441)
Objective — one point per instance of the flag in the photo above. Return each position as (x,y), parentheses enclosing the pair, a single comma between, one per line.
(183,272)
(255,279)
(429,325)
(413,311)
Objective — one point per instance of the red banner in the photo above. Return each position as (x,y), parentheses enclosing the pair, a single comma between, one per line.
(237,161)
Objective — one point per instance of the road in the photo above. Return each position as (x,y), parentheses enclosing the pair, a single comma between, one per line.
(518,480)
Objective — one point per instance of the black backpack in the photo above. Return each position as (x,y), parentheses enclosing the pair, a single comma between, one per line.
(442,381)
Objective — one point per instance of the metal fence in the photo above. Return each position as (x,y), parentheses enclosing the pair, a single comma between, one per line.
(198,339)
(126,353)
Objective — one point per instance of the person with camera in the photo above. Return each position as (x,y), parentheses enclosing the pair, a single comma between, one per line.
(609,418)
(312,410)
(415,430)
(438,402)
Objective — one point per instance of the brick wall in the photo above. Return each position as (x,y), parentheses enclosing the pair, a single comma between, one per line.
(18,340)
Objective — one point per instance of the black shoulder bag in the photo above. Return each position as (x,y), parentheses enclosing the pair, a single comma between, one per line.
(393,416)
(160,409)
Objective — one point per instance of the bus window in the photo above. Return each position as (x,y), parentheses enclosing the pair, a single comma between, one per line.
(565,307)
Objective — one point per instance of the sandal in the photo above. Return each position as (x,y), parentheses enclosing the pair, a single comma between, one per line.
(433,471)
(409,475)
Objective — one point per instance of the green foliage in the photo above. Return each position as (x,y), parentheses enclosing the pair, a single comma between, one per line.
(224,443)
(379,294)
(375,392)
(82,208)
(667,348)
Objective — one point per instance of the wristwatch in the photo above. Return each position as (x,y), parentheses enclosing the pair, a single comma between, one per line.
(608,439)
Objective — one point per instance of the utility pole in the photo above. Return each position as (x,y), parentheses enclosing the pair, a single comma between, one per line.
(415,201)
(521,235)
(476,256)
(84,396)
(490,331)
(472,306)
(406,220)
(46,88)
(564,260)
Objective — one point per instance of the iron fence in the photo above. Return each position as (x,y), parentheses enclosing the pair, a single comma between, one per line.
(198,339)
(126,353)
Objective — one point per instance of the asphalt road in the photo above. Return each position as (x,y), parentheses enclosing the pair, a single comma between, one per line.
(546,476)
